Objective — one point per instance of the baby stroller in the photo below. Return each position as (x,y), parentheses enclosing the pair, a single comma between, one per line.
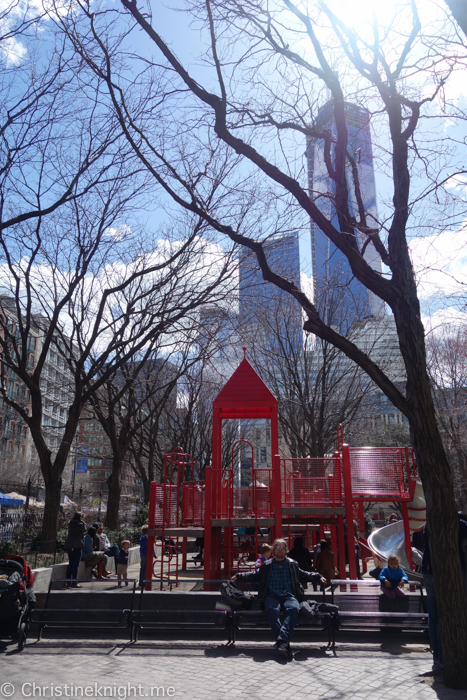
(16,598)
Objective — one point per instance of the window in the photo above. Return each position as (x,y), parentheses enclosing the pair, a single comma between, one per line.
(263,454)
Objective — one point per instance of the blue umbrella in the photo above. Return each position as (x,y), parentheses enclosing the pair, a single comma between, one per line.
(11,502)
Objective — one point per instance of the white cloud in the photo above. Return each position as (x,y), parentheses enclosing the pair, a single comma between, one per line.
(169,287)
(444,319)
(119,232)
(440,263)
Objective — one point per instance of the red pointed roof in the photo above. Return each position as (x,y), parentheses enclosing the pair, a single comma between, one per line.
(245,395)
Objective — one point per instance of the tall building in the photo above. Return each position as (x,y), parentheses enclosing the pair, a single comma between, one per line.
(94,449)
(331,268)
(18,454)
(288,255)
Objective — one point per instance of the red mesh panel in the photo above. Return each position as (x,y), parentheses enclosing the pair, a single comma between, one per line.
(253,501)
(379,472)
(193,497)
(311,482)
(169,518)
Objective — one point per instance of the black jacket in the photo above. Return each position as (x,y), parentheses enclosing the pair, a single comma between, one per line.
(76,530)
(295,574)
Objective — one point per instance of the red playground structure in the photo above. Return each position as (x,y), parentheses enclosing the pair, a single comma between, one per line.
(291,497)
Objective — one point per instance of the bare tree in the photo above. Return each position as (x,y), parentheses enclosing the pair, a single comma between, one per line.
(447,365)
(316,385)
(271,64)
(80,272)
(134,406)
(96,325)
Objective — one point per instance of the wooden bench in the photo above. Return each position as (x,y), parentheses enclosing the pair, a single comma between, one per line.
(81,617)
(375,612)
(178,620)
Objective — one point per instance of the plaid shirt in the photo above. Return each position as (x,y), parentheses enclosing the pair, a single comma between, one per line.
(280,582)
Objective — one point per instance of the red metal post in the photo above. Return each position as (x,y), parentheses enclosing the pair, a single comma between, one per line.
(276,475)
(333,529)
(341,542)
(349,511)
(361,517)
(207,523)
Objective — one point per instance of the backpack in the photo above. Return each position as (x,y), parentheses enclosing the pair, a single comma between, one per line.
(233,596)
(327,612)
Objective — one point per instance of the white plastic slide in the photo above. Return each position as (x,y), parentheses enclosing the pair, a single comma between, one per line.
(390,539)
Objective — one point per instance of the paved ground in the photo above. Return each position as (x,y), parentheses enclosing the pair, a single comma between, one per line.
(54,669)
(195,671)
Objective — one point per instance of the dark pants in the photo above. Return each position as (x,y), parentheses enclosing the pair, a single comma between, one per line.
(142,571)
(74,558)
(291,607)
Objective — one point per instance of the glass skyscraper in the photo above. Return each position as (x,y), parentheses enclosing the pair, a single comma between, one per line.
(331,269)
(261,303)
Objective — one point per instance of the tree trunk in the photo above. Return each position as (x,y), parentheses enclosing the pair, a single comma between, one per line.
(462,477)
(436,477)
(53,486)
(115,488)
(442,523)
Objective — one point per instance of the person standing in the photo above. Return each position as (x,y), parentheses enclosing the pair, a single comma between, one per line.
(122,566)
(143,550)
(280,589)
(325,562)
(74,545)
(301,554)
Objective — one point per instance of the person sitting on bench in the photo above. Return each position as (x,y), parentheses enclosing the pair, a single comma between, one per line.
(90,557)
(280,588)
(392,578)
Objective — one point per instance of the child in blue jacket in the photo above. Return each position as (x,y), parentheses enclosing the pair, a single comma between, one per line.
(392,578)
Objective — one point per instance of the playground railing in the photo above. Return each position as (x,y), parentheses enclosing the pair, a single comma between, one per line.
(193,503)
(381,473)
(311,482)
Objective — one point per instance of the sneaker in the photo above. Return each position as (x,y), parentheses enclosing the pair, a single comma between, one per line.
(283,649)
